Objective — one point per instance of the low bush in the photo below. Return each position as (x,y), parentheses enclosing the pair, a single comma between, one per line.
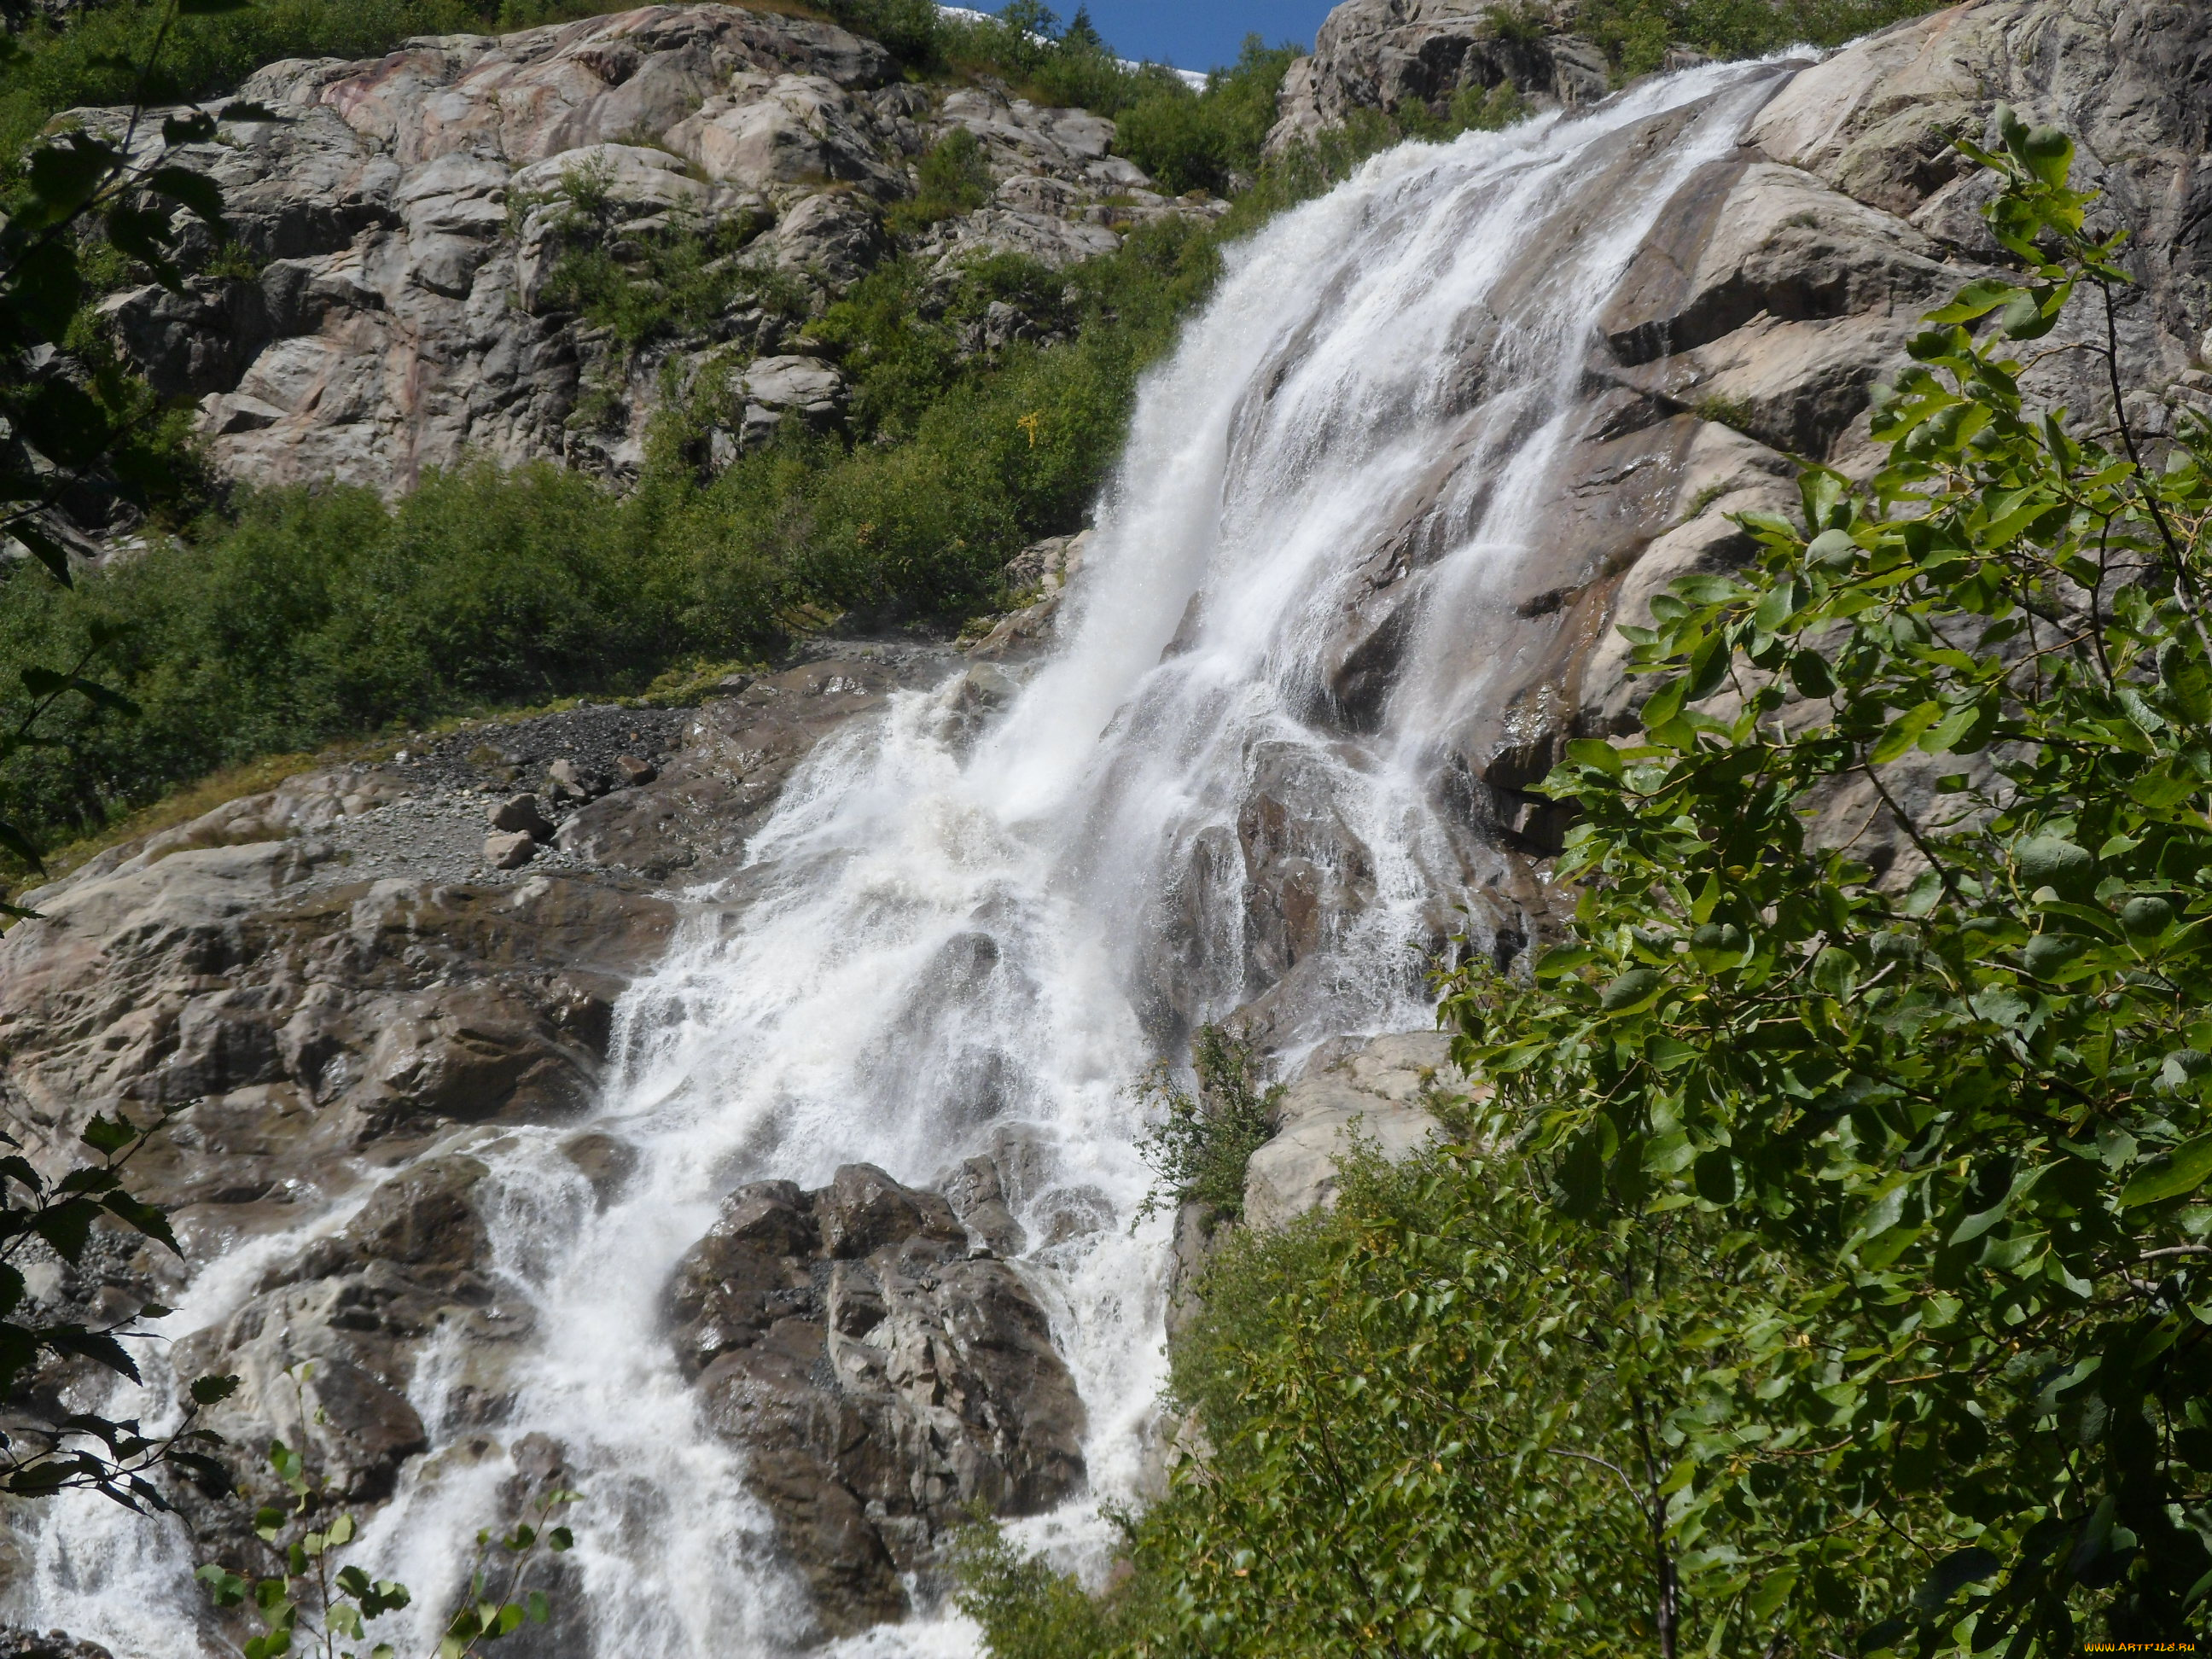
(952,178)
(676,279)
(1192,141)
(1201,1137)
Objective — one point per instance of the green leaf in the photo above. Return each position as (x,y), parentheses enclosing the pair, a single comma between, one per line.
(13,842)
(1564,959)
(43,292)
(1905,731)
(2187,684)
(1714,1177)
(108,1135)
(2181,1172)
(98,1347)
(1946,734)
(1664,704)
(1952,1574)
(1597,753)
(65,174)
(1833,549)
(1977,299)
(1635,989)
(212,1390)
(2031,316)
(2055,862)
(66,1227)
(64,421)
(1808,672)
(2049,153)
(145,234)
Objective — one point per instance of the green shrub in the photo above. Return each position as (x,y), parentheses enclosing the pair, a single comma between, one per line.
(1193,141)
(675,279)
(1438,1424)
(952,178)
(1205,1137)
(1486,109)
(1027,1610)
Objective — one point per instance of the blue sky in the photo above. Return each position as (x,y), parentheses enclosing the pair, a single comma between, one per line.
(1195,34)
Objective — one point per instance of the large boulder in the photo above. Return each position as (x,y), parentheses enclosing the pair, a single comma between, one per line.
(1379,1092)
(888,1377)
(1418,56)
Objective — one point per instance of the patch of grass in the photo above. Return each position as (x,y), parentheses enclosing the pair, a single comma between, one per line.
(1734,413)
(216,789)
(1704,498)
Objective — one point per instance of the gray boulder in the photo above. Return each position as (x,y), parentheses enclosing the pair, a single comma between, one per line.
(770,389)
(885,1381)
(1390,55)
(1375,1089)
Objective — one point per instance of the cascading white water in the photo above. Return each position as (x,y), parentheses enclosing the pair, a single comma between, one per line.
(944,933)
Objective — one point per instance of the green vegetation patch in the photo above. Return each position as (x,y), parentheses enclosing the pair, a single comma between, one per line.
(1202,1138)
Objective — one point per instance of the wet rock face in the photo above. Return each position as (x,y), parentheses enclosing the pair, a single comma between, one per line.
(883,1372)
(345,1005)
(408,213)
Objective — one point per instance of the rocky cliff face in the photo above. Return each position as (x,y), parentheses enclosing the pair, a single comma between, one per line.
(406,212)
(355,1000)
(1406,57)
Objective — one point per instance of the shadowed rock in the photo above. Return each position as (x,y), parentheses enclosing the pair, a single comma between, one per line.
(882,1378)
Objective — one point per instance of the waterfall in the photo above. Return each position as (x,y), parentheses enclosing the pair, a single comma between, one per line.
(956,934)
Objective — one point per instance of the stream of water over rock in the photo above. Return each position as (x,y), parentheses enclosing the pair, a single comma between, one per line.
(957,935)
